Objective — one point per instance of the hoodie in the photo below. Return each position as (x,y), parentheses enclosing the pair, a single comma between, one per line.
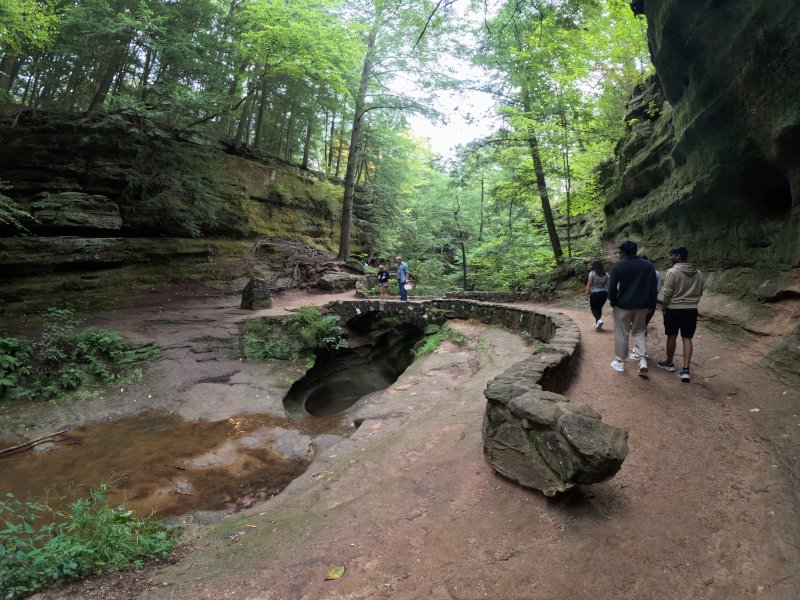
(633,284)
(683,287)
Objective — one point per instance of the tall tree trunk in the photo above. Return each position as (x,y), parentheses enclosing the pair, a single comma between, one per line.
(262,107)
(116,65)
(290,135)
(227,118)
(355,144)
(8,71)
(480,230)
(243,122)
(332,138)
(146,69)
(339,148)
(541,182)
(461,237)
(567,180)
(307,142)
(104,85)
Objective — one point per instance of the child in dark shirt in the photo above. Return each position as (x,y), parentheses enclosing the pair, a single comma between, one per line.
(383,281)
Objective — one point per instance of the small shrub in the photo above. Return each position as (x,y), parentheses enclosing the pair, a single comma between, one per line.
(64,360)
(432,342)
(304,332)
(39,545)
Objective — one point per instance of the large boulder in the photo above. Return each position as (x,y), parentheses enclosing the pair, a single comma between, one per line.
(256,295)
(542,441)
(338,282)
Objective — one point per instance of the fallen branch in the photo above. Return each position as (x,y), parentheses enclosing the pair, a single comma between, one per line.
(30,444)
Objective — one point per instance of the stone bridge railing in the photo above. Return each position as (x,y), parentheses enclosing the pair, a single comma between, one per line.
(531,433)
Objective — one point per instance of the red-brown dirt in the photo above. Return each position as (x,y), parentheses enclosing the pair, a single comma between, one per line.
(704,507)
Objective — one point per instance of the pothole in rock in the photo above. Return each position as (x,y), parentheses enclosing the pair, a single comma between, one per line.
(380,350)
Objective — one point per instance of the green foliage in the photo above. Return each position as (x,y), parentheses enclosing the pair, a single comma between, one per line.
(183,191)
(303,333)
(64,359)
(433,341)
(653,110)
(27,24)
(40,545)
(530,340)
(10,212)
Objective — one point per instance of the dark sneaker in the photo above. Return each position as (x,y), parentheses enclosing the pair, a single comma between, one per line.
(667,365)
(684,375)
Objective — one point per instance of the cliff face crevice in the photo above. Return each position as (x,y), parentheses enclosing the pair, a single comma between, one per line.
(712,157)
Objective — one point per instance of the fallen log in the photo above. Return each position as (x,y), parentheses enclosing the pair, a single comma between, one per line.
(31,443)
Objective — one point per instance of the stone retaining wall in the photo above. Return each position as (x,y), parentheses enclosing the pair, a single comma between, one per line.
(549,367)
(531,433)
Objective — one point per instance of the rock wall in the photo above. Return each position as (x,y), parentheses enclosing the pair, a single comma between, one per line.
(531,433)
(117,176)
(712,160)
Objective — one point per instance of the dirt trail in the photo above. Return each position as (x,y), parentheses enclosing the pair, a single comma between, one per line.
(702,508)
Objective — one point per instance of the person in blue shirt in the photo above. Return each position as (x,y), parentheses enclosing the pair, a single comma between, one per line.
(402,276)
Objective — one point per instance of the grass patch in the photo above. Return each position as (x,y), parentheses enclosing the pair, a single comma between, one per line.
(433,341)
(39,545)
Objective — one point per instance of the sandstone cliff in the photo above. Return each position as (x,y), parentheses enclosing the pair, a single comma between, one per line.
(712,161)
(119,174)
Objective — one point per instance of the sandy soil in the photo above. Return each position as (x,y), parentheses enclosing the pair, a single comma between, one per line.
(705,505)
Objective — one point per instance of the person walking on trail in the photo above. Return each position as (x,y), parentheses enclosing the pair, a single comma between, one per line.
(683,286)
(402,277)
(631,293)
(597,292)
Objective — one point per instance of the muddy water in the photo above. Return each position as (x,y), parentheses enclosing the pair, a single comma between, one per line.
(159,462)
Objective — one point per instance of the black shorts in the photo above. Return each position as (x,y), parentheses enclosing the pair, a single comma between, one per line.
(680,319)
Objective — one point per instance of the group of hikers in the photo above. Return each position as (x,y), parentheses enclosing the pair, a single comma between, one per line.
(634,288)
(402,275)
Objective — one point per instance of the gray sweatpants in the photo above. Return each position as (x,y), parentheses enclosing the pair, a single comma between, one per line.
(627,321)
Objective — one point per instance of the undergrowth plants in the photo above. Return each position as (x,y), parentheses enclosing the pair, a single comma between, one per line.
(64,359)
(303,333)
(433,341)
(40,545)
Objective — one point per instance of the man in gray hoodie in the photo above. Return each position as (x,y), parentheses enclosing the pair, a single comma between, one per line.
(679,296)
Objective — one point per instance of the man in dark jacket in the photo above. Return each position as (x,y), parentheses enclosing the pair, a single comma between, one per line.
(631,293)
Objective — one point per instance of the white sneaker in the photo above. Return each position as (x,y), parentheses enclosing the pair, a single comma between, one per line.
(633,355)
(618,365)
(642,366)
(599,324)
(596,325)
